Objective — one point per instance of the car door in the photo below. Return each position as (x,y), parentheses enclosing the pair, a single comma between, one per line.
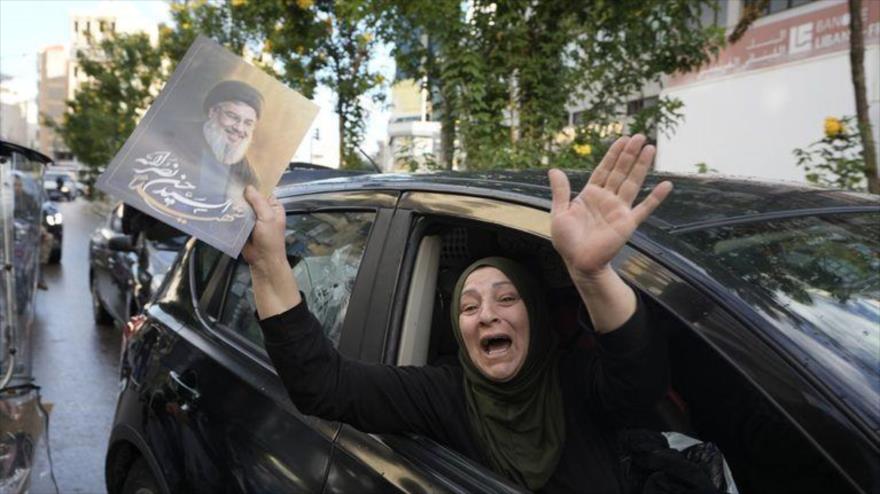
(410,463)
(219,405)
(111,268)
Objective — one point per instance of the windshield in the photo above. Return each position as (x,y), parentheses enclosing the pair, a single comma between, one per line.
(824,271)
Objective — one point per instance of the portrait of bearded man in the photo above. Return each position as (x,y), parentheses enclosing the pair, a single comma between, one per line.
(214,150)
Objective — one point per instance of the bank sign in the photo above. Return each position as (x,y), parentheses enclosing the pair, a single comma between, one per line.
(812,34)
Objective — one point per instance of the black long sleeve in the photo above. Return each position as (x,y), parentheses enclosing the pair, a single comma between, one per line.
(629,370)
(625,371)
(372,397)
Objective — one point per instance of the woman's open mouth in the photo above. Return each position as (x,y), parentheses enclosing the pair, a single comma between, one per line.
(495,345)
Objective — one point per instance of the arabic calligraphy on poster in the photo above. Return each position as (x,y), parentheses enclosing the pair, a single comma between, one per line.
(162,184)
(795,38)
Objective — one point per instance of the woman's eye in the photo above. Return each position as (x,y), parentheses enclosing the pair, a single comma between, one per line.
(508,298)
(467,309)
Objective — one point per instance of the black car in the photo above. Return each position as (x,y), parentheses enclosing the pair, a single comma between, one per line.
(60,186)
(125,268)
(53,222)
(769,296)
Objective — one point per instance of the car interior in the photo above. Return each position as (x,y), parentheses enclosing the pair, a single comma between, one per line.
(708,398)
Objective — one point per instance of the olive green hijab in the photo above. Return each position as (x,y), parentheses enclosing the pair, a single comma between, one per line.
(520,422)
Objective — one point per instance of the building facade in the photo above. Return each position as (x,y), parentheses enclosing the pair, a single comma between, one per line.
(60,75)
(52,93)
(18,114)
(413,138)
(770,92)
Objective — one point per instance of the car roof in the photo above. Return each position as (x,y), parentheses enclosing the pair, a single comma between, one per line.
(697,199)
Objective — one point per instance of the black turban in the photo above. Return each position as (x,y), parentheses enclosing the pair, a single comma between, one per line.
(234,91)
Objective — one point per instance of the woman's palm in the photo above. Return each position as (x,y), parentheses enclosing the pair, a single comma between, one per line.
(591,228)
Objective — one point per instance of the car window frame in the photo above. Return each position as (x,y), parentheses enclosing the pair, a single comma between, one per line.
(410,226)
(709,324)
(380,203)
(234,264)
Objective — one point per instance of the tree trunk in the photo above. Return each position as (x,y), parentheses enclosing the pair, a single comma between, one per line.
(343,163)
(447,128)
(857,65)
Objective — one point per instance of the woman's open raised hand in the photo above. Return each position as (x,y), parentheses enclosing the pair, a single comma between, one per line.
(591,228)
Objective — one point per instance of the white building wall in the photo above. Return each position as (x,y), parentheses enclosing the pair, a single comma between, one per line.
(744,120)
(749,124)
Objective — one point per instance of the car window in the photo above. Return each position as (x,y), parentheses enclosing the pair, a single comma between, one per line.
(205,260)
(824,270)
(325,250)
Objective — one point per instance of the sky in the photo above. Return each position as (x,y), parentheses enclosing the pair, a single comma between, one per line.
(27,26)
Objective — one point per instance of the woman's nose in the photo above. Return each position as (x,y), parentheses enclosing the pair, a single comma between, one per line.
(487,314)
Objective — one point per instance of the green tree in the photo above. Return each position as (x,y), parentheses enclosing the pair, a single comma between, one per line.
(514,65)
(122,82)
(837,159)
(303,43)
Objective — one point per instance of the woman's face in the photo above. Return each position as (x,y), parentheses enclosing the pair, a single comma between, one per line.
(494,324)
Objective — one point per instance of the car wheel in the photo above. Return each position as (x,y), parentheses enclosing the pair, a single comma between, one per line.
(55,256)
(98,310)
(140,479)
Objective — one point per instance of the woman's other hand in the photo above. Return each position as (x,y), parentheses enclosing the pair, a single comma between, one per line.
(589,230)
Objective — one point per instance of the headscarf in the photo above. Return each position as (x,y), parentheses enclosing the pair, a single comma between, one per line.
(519,423)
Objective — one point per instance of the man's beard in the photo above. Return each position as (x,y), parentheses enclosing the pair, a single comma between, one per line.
(225,152)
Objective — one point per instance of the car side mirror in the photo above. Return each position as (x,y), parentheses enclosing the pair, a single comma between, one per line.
(121,242)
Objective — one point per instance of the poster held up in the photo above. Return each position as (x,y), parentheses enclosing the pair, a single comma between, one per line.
(218,125)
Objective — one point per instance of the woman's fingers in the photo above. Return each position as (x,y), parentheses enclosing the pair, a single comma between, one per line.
(600,174)
(262,207)
(625,162)
(560,189)
(646,207)
(630,187)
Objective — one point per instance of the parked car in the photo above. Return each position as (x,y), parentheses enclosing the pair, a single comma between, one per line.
(769,295)
(60,186)
(53,222)
(125,269)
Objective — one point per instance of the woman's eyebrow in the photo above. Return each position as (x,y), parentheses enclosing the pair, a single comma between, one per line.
(499,283)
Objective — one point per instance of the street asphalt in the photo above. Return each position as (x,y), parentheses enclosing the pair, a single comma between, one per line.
(75,362)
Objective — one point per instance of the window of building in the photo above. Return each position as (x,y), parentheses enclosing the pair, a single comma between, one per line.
(776,6)
(76,26)
(101,26)
(635,106)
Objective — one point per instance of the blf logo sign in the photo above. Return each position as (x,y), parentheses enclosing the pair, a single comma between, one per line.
(800,38)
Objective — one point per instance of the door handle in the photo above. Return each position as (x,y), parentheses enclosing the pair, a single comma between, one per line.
(187,392)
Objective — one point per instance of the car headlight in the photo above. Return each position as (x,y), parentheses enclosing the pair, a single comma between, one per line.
(65,189)
(53,219)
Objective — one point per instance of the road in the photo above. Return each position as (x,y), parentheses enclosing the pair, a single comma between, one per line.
(75,362)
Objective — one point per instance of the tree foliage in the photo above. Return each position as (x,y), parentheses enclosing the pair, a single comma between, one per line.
(304,43)
(122,82)
(501,74)
(837,159)
(510,68)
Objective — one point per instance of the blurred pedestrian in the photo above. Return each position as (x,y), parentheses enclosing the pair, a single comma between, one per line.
(47,242)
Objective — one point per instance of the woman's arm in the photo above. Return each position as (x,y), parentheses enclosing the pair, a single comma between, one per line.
(275,288)
(371,397)
(589,230)
(318,379)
